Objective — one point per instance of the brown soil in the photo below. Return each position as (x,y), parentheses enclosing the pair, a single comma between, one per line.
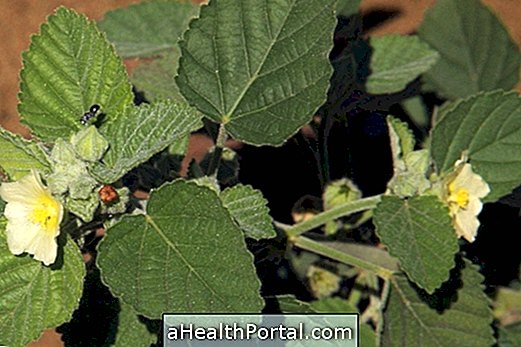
(21,18)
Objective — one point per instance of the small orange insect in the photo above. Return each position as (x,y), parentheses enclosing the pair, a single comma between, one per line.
(108,194)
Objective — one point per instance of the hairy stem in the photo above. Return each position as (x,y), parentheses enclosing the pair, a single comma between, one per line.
(379,262)
(342,210)
(215,161)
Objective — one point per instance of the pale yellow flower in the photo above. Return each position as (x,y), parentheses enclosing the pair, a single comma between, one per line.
(464,191)
(33,218)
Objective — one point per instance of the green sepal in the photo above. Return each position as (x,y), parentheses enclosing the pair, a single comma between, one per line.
(83,208)
(410,167)
(89,144)
(339,192)
(69,173)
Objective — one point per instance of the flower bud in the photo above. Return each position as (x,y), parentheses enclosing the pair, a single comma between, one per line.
(89,144)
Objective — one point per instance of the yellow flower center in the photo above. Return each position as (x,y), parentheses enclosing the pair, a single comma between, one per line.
(458,196)
(46,213)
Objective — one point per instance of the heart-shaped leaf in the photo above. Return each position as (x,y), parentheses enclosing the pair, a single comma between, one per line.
(396,61)
(185,255)
(488,127)
(410,321)
(248,207)
(148,28)
(145,131)
(476,51)
(131,329)
(68,67)
(260,68)
(418,231)
(34,297)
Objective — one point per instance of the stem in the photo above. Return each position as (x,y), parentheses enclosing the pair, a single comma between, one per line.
(308,244)
(318,160)
(281,226)
(383,302)
(325,130)
(334,213)
(215,161)
(363,218)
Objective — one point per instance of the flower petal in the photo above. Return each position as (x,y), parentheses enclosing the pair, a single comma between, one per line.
(44,248)
(466,224)
(33,218)
(17,210)
(24,191)
(471,181)
(20,236)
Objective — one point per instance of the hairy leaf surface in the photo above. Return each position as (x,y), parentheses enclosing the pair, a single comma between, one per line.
(476,51)
(259,67)
(148,28)
(69,67)
(184,255)
(145,131)
(487,127)
(412,318)
(131,329)
(248,207)
(418,231)
(34,297)
(396,61)
(18,156)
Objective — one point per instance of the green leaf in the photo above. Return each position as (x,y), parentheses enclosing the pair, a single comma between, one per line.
(68,67)
(187,243)
(409,320)
(510,336)
(418,231)
(476,51)
(396,61)
(409,166)
(337,305)
(156,78)
(402,140)
(18,156)
(417,111)
(131,329)
(34,297)
(260,68)
(333,305)
(148,28)
(368,337)
(179,146)
(83,208)
(290,304)
(248,208)
(347,8)
(145,131)
(488,126)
